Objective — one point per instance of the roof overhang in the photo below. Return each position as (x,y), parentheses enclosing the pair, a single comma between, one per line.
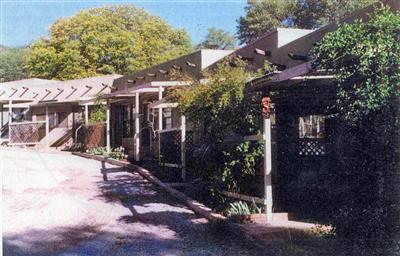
(295,75)
(151,87)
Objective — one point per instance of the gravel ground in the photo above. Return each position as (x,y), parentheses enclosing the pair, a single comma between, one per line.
(59,204)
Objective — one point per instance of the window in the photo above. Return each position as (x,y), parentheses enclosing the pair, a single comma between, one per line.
(312,127)
(128,121)
(168,118)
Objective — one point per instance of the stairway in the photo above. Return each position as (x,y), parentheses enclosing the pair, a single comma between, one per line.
(58,137)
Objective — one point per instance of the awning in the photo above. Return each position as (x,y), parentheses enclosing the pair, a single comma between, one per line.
(164,103)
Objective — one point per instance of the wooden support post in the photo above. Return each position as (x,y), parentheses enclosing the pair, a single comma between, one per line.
(86,114)
(137,128)
(160,116)
(47,127)
(10,112)
(267,167)
(183,147)
(1,120)
(108,144)
(160,124)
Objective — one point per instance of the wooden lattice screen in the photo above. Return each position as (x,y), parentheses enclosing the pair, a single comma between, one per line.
(92,135)
(26,133)
(311,147)
(170,146)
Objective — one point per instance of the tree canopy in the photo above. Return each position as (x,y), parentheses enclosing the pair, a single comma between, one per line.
(114,39)
(218,39)
(12,64)
(365,58)
(264,15)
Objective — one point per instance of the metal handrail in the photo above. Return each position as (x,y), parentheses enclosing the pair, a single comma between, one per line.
(76,131)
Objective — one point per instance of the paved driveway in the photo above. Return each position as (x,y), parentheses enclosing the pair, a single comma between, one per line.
(58,204)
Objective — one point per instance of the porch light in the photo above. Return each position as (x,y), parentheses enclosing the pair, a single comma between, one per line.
(190,64)
(297,57)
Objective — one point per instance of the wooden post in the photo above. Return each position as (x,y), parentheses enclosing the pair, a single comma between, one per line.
(137,128)
(267,167)
(108,128)
(86,114)
(183,147)
(47,127)
(160,124)
(160,117)
(1,120)
(10,112)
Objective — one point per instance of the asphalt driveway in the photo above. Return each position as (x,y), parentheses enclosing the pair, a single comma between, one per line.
(59,204)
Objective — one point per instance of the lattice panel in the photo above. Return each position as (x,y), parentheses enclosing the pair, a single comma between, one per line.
(189,142)
(155,145)
(25,133)
(92,135)
(309,147)
(170,147)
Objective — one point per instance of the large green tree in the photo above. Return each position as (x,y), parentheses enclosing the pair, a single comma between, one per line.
(113,39)
(365,58)
(264,15)
(12,64)
(218,39)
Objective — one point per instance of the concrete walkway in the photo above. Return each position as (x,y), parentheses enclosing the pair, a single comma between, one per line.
(58,204)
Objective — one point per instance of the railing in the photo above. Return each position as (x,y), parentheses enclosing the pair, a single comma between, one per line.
(26,133)
(4,131)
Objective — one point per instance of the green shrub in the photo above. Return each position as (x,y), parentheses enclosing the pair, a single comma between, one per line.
(97,151)
(118,154)
(76,147)
(241,208)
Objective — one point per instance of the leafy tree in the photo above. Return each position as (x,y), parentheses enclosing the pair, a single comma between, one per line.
(264,15)
(12,64)
(366,60)
(365,56)
(218,39)
(114,39)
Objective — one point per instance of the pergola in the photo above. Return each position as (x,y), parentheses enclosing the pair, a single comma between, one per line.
(31,93)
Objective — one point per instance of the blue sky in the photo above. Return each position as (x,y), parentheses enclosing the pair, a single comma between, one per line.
(24,21)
